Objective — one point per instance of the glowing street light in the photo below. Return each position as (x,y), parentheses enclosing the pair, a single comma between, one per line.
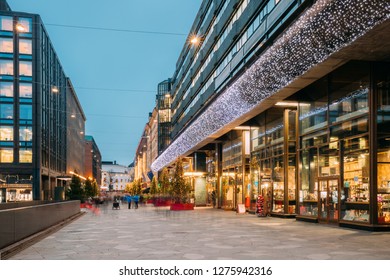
(20,28)
(55,89)
(194,40)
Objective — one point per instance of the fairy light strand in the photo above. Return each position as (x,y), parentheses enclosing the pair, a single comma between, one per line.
(325,28)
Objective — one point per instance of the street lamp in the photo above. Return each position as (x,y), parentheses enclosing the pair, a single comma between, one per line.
(20,28)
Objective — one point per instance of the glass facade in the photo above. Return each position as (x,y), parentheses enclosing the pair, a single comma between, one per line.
(382,83)
(274,160)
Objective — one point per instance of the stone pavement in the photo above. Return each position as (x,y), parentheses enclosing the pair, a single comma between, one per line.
(155,233)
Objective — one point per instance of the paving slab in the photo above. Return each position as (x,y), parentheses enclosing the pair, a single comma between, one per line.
(156,233)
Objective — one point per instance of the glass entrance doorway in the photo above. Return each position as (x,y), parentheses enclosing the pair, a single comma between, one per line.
(328,200)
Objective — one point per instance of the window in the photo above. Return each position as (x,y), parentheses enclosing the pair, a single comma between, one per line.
(25,90)
(6,89)
(6,155)
(26,24)
(25,112)
(25,155)
(6,45)
(6,133)
(6,67)
(25,68)
(25,46)
(6,111)
(25,133)
(6,23)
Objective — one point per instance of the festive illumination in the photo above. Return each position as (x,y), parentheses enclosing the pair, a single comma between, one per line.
(325,28)
(319,110)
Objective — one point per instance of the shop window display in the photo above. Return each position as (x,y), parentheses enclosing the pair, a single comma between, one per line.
(308,193)
(278,185)
(383,155)
(355,189)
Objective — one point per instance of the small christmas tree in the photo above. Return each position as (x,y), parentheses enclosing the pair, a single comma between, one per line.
(180,190)
(76,190)
(153,186)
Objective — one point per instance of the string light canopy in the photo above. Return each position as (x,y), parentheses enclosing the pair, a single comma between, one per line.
(325,28)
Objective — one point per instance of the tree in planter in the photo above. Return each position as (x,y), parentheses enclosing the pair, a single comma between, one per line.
(153,186)
(136,189)
(164,182)
(180,190)
(89,189)
(95,187)
(76,190)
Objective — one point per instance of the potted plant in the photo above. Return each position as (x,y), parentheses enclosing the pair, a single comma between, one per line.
(180,189)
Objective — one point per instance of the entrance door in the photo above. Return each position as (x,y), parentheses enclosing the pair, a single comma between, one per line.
(328,200)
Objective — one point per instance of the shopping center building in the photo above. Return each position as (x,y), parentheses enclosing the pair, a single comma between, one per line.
(288,100)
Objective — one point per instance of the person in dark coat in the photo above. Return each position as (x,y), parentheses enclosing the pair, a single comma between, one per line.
(129,199)
(136,200)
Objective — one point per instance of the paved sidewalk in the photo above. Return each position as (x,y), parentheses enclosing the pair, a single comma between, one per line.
(150,233)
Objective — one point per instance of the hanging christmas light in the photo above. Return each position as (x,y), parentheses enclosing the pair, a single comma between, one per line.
(325,28)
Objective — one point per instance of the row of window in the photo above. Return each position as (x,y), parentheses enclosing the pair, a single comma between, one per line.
(7,155)
(243,39)
(23,25)
(7,133)
(7,46)
(7,90)
(235,17)
(7,68)
(7,112)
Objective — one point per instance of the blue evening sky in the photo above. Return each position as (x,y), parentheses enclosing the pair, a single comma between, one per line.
(105,61)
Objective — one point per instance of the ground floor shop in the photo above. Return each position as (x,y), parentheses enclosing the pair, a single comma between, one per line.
(321,155)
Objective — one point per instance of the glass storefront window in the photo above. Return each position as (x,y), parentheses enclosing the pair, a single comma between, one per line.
(349,92)
(25,155)
(383,168)
(6,133)
(291,183)
(6,45)
(258,133)
(6,23)
(6,111)
(6,89)
(275,132)
(25,46)
(6,67)
(25,133)
(313,113)
(308,192)
(314,140)
(349,128)
(266,184)
(351,106)
(25,90)
(6,155)
(278,185)
(25,68)
(329,163)
(228,189)
(355,189)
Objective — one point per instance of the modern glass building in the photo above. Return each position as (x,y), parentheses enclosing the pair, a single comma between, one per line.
(289,99)
(33,110)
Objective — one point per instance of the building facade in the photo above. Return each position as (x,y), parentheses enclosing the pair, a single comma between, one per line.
(163,105)
(115,177)
(33,109)
(288,100)
(75,133)
(93,160)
